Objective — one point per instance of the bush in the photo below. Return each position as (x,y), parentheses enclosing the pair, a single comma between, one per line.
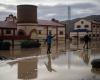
(5,45)
(30,44)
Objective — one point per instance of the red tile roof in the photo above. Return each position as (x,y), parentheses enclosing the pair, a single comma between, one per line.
(7,24)
(11,24)
(49,23)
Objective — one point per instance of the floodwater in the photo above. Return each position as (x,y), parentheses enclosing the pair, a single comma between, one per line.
(74,63)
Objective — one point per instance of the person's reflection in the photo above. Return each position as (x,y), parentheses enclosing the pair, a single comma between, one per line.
(85,56)
(49,64)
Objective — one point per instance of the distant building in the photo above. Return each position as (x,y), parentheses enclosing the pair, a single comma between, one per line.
(8,28)
(95,30)
(12,18)
(83,27)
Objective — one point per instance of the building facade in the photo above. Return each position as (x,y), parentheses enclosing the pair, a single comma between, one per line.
(95,30)
(8,28)
(29,25)
(83,27)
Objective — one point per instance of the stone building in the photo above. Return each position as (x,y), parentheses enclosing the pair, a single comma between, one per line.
(29,25)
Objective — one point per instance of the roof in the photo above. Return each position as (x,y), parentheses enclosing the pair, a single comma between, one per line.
(81,30)
(49,23)
(95,22)
(11,24)
(7,24)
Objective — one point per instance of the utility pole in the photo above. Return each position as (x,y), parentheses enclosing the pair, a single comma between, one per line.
(69,18)
(67,27)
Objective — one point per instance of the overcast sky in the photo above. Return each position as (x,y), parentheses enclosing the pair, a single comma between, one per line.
(48,9)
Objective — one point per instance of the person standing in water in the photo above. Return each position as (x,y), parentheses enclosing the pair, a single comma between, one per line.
(49,42)
(86,39)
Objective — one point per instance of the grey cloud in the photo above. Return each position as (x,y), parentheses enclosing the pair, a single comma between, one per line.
(58,11)
(3,15)
(77,10)
(85,10)
(84,6)
(10,7)
(8,10)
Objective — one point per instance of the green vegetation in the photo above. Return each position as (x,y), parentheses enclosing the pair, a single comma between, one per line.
(4,45)
(30,44)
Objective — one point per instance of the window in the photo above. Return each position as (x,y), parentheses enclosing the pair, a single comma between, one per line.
(61,32)
(97,26)
(40,32)
(93,26)
(86,26)
(82,22)
(97,35)
(21,33)
(8,31)
(78,26)
(50,31)
(93,35)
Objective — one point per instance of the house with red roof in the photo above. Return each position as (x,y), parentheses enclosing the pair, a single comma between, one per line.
(27,26)
(9,29)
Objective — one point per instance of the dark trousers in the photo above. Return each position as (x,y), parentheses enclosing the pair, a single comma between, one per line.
(49,48)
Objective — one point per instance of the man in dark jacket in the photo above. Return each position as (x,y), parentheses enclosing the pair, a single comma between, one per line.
(86,39)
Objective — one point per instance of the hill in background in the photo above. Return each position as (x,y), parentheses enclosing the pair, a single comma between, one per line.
(91,18)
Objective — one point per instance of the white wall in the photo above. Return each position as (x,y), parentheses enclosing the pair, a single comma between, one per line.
(43,34)
(82,25)
(61,29)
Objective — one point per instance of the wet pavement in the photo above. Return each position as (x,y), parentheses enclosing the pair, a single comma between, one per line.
(74,63)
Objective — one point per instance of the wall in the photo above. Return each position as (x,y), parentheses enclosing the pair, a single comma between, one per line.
(5,34)
(85,22)
(96,31)
(61,29)
(29,27)
(82,26)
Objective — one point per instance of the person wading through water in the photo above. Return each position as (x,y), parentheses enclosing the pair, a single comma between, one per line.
(86,39)
(49,42)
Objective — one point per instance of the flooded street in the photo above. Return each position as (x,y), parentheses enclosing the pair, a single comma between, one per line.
(73,63)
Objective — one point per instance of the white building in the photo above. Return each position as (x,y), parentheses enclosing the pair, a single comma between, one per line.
(82,27)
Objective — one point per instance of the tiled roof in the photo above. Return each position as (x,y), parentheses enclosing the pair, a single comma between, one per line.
(49,23)
(7,24)
(11,24)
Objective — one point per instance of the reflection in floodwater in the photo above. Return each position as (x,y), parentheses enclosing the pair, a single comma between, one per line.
(49,64)
(85,55)
(27,69)
(21,53)
(69,65)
